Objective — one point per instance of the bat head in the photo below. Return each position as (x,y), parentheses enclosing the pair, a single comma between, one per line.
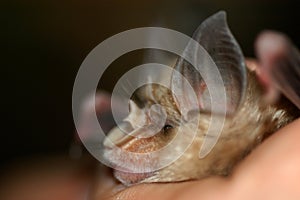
(162,143)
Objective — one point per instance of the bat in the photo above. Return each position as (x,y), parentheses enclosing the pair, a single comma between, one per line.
(253,108)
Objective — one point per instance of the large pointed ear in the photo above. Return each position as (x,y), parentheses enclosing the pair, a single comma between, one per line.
(215,37)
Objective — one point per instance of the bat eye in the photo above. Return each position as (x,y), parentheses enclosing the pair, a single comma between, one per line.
(167,127)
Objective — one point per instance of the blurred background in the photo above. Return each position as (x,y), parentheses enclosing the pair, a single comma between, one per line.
(43,44)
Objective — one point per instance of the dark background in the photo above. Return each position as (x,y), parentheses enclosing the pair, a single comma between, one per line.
(43,44)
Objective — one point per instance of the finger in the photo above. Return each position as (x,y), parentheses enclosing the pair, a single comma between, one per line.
(171,191)
(106,186)
(279,63)
(271,171)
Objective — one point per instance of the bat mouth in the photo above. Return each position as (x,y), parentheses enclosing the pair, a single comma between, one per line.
(128,170)
(128,178)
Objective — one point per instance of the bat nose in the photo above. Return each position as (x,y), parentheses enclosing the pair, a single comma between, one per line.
(118,136)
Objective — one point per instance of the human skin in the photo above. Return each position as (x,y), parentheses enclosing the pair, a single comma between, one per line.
(271,171)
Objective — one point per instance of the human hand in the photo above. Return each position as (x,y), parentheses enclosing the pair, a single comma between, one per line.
(271,171)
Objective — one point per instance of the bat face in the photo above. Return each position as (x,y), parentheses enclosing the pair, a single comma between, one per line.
(155,117)
(150,128)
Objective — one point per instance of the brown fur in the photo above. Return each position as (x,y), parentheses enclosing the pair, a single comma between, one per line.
(242,131)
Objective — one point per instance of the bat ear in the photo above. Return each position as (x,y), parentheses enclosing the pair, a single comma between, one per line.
(225,55)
